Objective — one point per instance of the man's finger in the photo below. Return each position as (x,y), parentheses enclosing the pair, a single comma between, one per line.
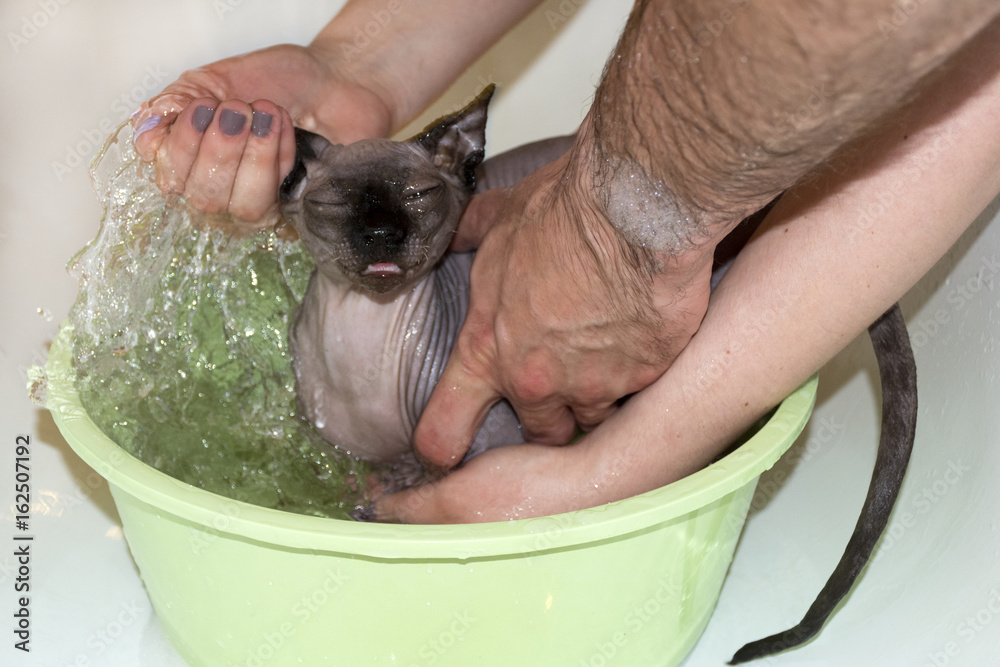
(588,418)
(456,409)
(548,425)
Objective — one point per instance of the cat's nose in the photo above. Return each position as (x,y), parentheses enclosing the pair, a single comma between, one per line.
(381,230)
(378,233)
(379,239)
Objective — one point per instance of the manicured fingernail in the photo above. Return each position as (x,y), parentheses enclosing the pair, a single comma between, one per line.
(231,122)
(146,125)
(261,124)
(201,117)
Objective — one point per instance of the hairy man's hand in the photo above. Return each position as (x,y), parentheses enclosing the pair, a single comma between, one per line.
(565,316)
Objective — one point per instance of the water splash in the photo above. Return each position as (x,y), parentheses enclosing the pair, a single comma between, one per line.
(181,348)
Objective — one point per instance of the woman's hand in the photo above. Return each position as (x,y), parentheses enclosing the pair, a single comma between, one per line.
(512,482)
(222,135)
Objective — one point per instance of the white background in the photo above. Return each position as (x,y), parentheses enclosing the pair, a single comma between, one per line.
(69,71)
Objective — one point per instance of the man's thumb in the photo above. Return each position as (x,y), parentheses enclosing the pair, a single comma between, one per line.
(483,210)
(457,407)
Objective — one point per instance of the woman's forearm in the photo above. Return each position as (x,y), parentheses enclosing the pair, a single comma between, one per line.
(409,52)
(831,257)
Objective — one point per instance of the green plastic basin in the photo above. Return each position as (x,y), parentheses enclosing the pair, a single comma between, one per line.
(629,583)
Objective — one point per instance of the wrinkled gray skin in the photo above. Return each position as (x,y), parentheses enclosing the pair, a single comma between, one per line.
(383,309)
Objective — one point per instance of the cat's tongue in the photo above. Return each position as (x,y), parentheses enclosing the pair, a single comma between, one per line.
(382,269)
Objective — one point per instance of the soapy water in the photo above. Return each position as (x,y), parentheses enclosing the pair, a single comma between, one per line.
(181,348)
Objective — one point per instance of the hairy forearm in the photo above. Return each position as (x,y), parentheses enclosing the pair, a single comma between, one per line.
(708,110)
(798,293)
(409,51)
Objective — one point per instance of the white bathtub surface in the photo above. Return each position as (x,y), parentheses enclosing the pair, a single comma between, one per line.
(70,71)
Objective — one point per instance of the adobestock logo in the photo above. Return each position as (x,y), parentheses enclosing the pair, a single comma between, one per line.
(562,13)
(381,18)
(32,24)
(971,626)
(122,106)
(922,331)
(921,503)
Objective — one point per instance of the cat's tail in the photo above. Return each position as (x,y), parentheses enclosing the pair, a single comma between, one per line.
(898,374)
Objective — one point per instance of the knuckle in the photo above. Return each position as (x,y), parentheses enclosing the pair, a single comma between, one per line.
(589,418)
(204,202)
(475,349)
(237,105)
(265,106)
(206,101)
(550,429)
(643,377)
(167,180)
(593,391)
(532,383)
(245,211)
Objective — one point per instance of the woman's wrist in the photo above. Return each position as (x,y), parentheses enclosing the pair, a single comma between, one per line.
(394,50)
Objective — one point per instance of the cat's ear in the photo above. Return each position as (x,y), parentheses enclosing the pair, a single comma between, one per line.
(457,143)
(309,146)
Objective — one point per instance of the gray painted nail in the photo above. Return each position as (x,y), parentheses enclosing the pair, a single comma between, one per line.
(261,123)
(146,125)
(231,122)
(201,117)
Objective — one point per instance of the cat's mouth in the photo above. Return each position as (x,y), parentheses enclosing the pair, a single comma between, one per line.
(379,269)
